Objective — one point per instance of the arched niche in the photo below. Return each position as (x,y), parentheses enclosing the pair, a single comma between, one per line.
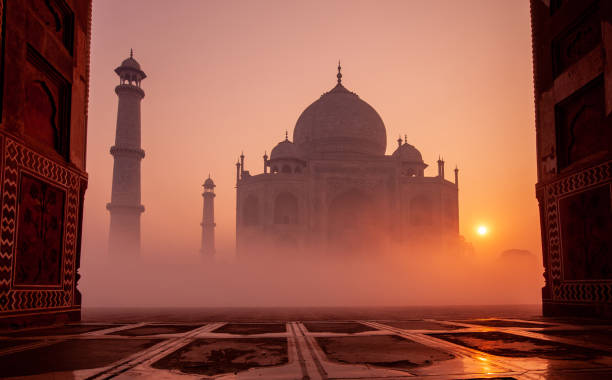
(250,211)
(40,114)
(286,209)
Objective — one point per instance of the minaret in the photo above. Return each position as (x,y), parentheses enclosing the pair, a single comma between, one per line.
(456,175)
(441,168)
(265,160)
(208,219)
(125,207)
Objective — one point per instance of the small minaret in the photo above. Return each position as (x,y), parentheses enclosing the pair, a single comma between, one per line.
(241,164)
(456,176)
(125,207)
(208,219)
(265,162)
(441,168)
(237,172)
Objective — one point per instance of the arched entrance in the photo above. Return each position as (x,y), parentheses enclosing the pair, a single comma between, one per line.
(352,223)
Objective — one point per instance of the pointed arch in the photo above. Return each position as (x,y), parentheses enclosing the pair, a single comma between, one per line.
(286,209)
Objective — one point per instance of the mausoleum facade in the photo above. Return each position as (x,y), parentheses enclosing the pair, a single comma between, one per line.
(334,190)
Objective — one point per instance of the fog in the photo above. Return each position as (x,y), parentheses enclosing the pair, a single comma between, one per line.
(227,77)
(402,278)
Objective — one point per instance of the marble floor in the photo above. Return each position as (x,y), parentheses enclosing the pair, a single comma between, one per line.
(253,346)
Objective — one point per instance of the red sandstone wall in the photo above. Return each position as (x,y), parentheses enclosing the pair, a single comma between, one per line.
(44,83)
(572,43)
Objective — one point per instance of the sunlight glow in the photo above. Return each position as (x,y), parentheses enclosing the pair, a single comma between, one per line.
(482,230)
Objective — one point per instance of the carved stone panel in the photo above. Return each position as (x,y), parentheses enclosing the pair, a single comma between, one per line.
(58,18)
(557,247)
(586,234)
(47,105)
(581,124)
(39,229)
(38,255)
(579,39)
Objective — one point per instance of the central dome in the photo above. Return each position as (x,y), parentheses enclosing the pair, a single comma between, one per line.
(340,122)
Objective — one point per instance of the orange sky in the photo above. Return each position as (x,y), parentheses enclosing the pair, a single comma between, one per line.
(226,76)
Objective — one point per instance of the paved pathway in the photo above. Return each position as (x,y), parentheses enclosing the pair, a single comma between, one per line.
(492,348)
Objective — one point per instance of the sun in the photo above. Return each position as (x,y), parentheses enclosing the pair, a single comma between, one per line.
(482,230)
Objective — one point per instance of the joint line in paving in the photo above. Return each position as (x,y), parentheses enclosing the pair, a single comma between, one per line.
(312,350)
(300,354)
(163,348)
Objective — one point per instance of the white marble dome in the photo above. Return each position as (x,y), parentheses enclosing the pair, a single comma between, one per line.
(340,122)
(408,153)
(284,149)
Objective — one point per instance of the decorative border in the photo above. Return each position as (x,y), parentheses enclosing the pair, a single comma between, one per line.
(584,292)
(2,43)
(575,291)
(17,158)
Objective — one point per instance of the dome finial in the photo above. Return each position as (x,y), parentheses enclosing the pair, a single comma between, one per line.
(286,135)
(339,76)
(131,53)
(405,139)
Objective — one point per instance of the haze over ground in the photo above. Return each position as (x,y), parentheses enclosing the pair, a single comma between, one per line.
(455,77)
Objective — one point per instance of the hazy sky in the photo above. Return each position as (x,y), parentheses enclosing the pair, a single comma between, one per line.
(226,76)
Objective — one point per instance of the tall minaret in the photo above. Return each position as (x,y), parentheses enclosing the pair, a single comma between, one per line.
(208,219)
(125,207)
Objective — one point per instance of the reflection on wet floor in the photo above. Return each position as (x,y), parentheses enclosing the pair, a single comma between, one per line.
(218,356)
(337,327)
(420,325)
(155,329)
(506,344)
(601,336)
(73,354)
(501,348)
(63,330)
(504,323)
(380,350)
(251,328)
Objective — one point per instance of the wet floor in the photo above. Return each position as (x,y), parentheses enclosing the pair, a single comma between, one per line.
(325,343)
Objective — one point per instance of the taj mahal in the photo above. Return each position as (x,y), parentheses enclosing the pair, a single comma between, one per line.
(332,189)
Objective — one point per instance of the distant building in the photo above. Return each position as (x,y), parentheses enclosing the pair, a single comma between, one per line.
(516,254)
(333,190)
(125,207)
(572,46)
(208,219)
(44,84)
